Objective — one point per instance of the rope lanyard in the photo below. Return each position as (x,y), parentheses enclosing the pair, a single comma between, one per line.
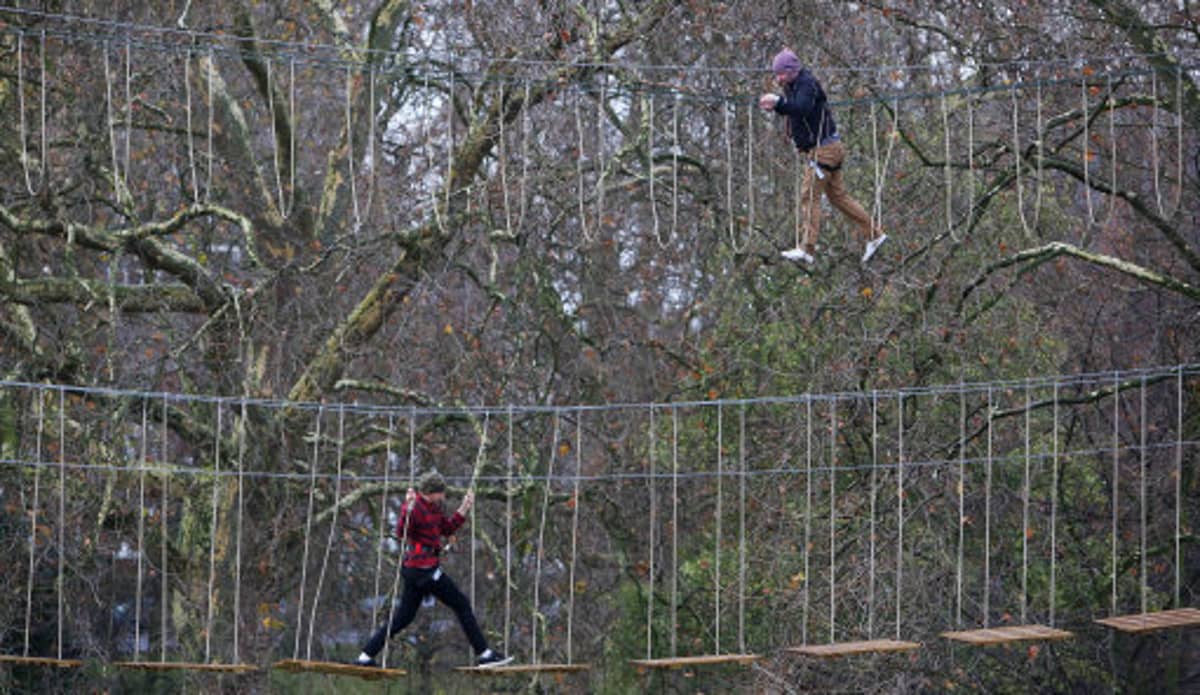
(871,526)
(987,515)
(808,496)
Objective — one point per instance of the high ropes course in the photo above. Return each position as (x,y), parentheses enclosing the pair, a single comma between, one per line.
(660,519)
(709,502)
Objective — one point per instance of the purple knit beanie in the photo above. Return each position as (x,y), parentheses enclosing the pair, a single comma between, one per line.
(785,61)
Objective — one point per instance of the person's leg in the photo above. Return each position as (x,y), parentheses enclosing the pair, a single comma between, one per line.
(410,600)
(834,155)
(448,593)
(810,208)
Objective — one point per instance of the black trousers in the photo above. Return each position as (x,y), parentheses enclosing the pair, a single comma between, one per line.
(419,583)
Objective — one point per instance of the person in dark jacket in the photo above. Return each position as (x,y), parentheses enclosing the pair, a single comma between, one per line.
(422,525)
(815,134)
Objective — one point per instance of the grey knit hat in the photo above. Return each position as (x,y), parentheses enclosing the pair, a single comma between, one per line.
(431,482)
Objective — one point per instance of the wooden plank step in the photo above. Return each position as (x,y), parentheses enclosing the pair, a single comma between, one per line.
(703,660)
(40,661)
(337,669)
(511,669)
(185,666)
(875,646)
(1158,620)
(1007,635)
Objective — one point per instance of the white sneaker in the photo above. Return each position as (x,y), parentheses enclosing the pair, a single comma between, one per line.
(798,254)
(873,246)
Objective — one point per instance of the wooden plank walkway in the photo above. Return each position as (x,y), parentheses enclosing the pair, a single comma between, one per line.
(513,669)
(1149,622)
(337,669)
(838,649)
(1007,635)
(704,660)
(39,661)
(185,666)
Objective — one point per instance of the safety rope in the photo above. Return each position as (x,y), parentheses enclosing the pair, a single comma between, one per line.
(33,516)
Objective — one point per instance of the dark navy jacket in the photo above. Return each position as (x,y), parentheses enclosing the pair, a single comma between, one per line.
(809,118)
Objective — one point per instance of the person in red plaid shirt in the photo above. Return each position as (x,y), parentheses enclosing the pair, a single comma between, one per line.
(423,523)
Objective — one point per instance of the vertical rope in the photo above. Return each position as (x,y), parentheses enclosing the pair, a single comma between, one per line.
(62,512)
(808,494)
(118,187)
(1054,510)
(508,516)
(1087,153)
(947,170)
(141,537)
(674,530)
(871,528)
(406,510)
(675,168)
(1178,139)
(191,141)
(383,509)
(649,105)
(212,109)
(750,172)
(899,509)
(128,108)
(600,165)
(578,502)
(832,520)
(333,522)
(1178,479)
(987,516)
(1142,496)
(1116,472)
(33,515)
(312,487)
(1025,514)
(541,544)
(21,107)
(717,534)
(742,531)
(1154,175)
(733,245)
(350,148)
(237,557)
(212,537)
(579,187)
(164,591)
(962,512)
(650,545)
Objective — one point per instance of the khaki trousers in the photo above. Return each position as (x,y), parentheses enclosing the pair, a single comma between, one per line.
(833,188)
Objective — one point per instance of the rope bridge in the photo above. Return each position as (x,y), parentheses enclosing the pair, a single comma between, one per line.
(672,501)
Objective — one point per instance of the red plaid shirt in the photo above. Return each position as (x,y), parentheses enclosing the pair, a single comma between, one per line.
(427,523)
